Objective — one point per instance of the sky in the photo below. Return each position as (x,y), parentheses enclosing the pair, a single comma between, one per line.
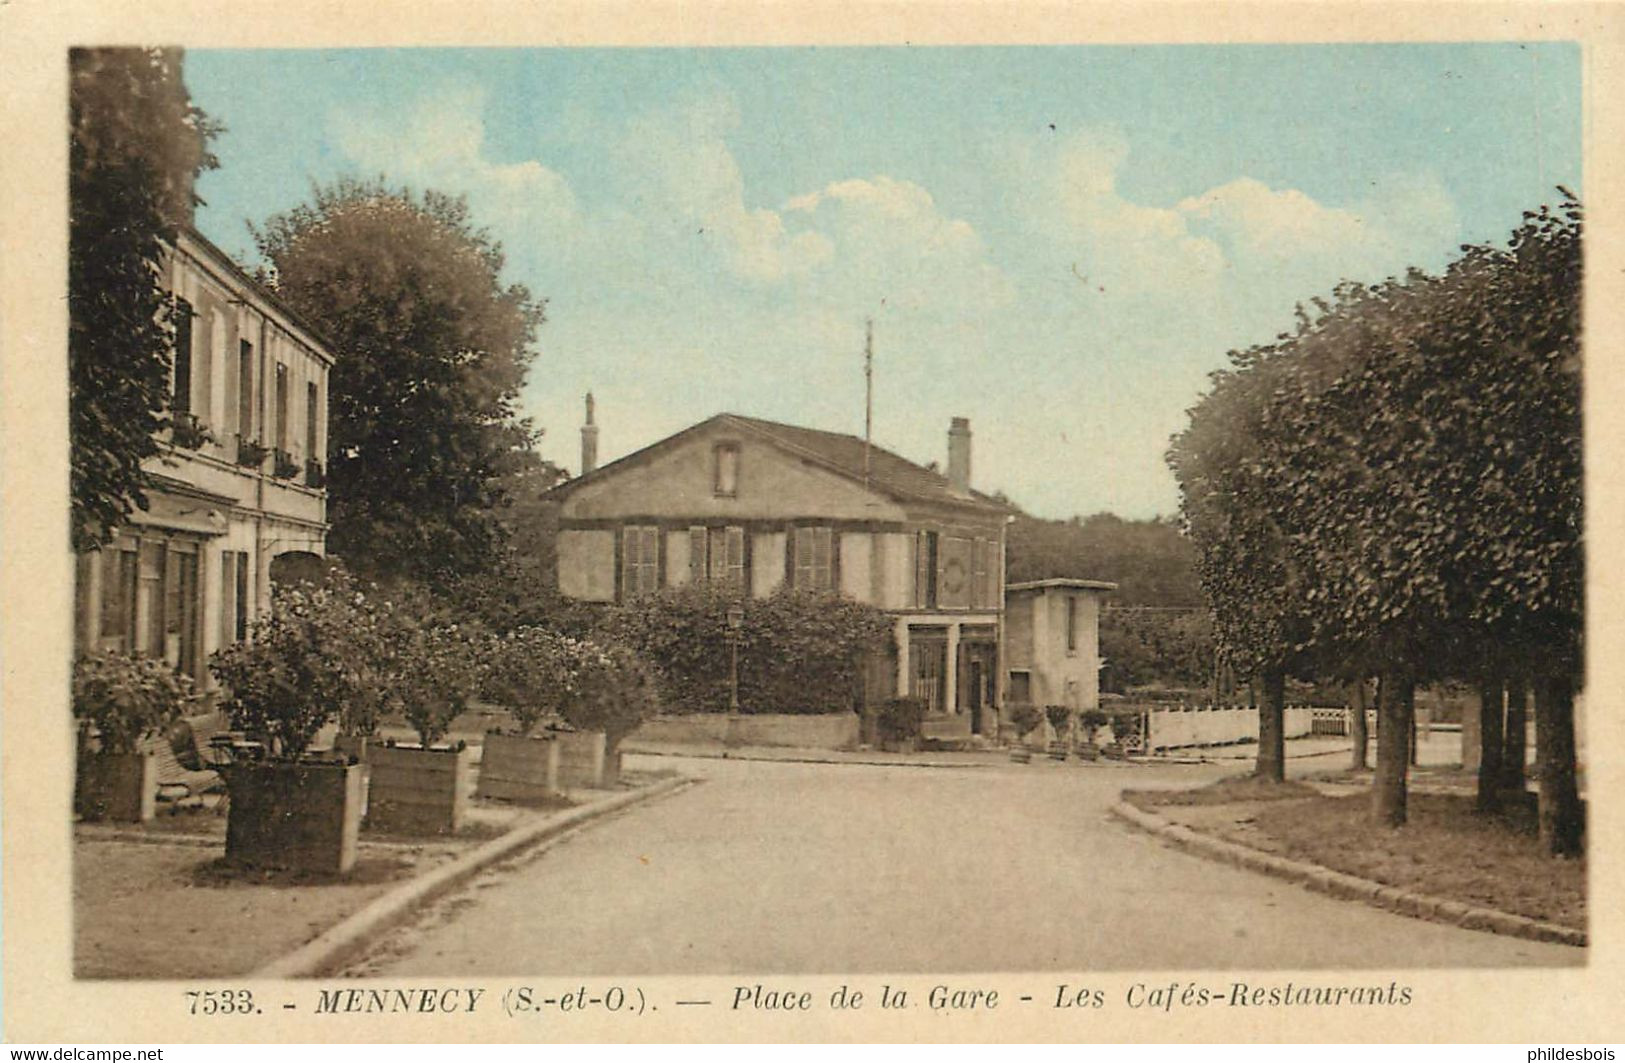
(1059,243)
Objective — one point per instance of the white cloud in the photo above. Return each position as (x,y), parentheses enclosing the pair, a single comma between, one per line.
(439,141)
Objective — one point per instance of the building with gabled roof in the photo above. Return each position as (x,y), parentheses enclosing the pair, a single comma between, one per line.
(758,505)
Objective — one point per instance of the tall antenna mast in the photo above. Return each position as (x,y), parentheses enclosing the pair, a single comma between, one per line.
(868,393)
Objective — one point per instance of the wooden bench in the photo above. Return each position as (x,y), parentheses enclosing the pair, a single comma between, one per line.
(186,764)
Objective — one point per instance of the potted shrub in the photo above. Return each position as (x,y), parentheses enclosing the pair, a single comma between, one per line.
(899,723)
(1060,720)
(614,692)
(1090,721)
(289,810)
(122,704)
(531,673)
(1024,720)
(423,789)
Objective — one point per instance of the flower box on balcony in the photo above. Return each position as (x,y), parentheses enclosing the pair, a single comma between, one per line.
(251,454)
(314,476)
(187,431)
(286,467)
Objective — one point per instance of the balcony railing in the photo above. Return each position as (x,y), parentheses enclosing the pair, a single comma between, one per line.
(314,475)
(286,467)
(251,454)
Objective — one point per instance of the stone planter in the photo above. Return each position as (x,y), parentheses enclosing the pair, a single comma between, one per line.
(412,790)
(1057,751)
(302,815)
(581,759)
(522,768)
(117,786)
(1021,755)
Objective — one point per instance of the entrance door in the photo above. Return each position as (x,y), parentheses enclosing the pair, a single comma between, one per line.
(928,658)
(976,660)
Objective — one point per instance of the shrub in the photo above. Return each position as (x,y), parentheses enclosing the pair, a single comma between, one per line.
(613,691)
(126,699)
(1024,717)
(1060,718)
(442,666)
(900,719)
(1091,721)
(327,651)
(532,673)
(800,651)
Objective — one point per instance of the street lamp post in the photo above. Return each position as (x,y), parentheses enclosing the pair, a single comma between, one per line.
(736,622)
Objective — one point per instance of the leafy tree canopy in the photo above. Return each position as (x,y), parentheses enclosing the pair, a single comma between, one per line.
(432,349)
(136,147)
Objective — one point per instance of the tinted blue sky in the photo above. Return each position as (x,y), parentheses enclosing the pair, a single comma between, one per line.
(1059,243)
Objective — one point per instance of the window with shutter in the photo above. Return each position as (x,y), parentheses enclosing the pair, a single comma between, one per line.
(182,402)
(698,568)
(736,558)
(640,560)
(815,559)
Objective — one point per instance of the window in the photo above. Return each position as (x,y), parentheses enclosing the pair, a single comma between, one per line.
(182,403)
(1072,623)
(233,596)
(119,575)
(727,557)
(245,389)
(925,570)
(311,406)
(152,600)
(281,407)
(981,570)
(725,470)
(640,560)
(717,555)
(1021,687)
(815,559)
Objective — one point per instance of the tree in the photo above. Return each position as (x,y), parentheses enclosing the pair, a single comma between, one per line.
(1396,486)
(136,147)
(431,351)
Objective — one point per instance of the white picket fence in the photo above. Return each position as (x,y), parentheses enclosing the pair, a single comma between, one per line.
(1177,727)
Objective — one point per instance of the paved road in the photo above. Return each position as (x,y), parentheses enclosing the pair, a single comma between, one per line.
(806,868)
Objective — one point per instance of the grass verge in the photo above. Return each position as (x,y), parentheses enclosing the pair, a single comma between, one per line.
(1446,849)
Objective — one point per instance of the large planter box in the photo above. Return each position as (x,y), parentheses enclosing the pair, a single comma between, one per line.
(303,816)
(117,786)
(581,759)
(522,768)
(416,791)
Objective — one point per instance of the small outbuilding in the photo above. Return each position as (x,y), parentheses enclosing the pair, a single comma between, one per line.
(1052,641)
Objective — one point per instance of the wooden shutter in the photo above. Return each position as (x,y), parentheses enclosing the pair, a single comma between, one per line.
(182,403)
(736,557)
(698,571)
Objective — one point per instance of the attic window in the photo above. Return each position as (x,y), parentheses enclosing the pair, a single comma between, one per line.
(725,470)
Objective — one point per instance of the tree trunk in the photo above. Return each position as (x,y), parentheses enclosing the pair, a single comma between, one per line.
(1357,732)
(1517,736)
(1271,728)
(1393,749)
(1491,742)
(1562,824)
(1410,731)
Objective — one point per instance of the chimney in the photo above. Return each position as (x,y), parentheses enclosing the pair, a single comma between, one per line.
(959,455)
(589,441)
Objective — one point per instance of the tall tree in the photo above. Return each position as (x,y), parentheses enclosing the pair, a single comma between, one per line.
(431,351)
(136,147)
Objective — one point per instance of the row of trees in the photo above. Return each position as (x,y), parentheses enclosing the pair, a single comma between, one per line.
(1393,488)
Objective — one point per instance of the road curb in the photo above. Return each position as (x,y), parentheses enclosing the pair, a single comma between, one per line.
(1345,886)
(339,942)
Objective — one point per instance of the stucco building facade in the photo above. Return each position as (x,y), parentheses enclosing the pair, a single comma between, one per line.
(1052,641)
(759,505)
(239,486)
